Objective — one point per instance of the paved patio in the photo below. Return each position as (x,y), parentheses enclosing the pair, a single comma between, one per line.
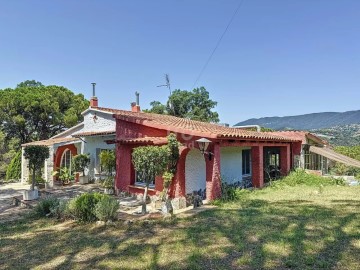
(129,205)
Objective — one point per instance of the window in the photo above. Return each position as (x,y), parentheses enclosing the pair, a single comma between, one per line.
(140,182)
(66,159)
(246,162)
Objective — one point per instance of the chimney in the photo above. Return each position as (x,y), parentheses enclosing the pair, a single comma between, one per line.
(135,106)
(93,99)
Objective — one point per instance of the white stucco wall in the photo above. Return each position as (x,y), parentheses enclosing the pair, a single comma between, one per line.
(103,122)
(91,146)
(231,164)
(195,171)
(47,170)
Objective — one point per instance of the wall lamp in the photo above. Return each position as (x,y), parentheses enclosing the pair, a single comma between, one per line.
(203,144)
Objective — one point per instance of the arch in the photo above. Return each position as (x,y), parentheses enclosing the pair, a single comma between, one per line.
(60,151)
(66,158)
(195,171)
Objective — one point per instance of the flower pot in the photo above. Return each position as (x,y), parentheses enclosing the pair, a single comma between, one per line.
(84,179)
(109,191)
(29,195)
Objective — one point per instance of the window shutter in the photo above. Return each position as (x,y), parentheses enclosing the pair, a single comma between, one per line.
(97,159)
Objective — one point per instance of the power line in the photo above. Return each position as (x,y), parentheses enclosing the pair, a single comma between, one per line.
(218,43)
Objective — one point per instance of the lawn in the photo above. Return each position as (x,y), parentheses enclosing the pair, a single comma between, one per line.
(295,227)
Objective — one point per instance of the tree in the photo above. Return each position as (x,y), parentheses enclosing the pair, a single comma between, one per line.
(149,162)
(13,171)
(8,150)
(195,105)
(33,111)
(36,154)
(29,83)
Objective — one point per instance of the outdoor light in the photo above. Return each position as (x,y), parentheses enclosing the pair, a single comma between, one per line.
(203,146)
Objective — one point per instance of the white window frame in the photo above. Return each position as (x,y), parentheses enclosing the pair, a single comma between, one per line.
(64,156)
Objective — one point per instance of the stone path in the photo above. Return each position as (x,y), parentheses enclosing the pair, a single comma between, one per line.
(7,210)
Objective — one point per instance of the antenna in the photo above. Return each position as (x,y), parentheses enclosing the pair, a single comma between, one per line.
(167,81)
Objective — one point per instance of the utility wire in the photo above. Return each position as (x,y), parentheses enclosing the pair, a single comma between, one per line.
(218,43)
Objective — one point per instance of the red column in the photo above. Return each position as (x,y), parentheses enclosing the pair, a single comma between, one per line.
(285,160)
(257,161)
(124,173)
(213,174)
(177,188)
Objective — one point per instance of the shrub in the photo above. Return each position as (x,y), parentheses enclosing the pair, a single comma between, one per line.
(108,182)
(106,209)
(80,163)
(43,208)
(59,210)
(13,171)
(82,207)
(301,177)
(231,192)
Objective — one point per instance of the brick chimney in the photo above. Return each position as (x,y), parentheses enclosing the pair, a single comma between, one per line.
(93,99)
(135,106)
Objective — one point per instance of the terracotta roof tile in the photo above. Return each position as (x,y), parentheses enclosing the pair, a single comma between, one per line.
(300,135)
(177,124)
(94,133)
(153,140)
(52,141)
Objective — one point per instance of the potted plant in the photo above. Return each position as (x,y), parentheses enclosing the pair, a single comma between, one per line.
(108,161)
(65,176)
(36,154)
(81,162)
(108,185)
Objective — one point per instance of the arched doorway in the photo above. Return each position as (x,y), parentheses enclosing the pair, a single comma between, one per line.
(66,159)
(195,171)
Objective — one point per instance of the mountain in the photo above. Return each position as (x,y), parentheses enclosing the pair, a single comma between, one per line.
(346,135)
(306,121)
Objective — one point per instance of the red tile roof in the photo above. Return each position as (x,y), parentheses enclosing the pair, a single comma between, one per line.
(300,135)
(145,140)
(52,141)
(94,133)
(182,125)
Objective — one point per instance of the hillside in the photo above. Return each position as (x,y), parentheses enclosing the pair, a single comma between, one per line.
(337,128)
(346,135)
(307,121)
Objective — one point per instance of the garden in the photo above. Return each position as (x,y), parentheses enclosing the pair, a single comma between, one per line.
(301,222)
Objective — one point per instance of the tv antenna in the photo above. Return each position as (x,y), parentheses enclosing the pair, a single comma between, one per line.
(167,81)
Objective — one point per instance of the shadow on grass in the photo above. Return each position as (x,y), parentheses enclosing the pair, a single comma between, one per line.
(252,234)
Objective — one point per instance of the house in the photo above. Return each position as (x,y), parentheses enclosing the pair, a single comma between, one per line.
(234,155)
(88,137)
(316,153)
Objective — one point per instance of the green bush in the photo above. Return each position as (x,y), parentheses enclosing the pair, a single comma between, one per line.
(13,171)
(82,207)
(106,209)
(301,177)
(59,210)
(44,207)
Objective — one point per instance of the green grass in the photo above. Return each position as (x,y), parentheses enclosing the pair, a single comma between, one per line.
(301,227)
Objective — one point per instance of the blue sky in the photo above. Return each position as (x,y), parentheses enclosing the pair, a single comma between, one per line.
(278,57)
